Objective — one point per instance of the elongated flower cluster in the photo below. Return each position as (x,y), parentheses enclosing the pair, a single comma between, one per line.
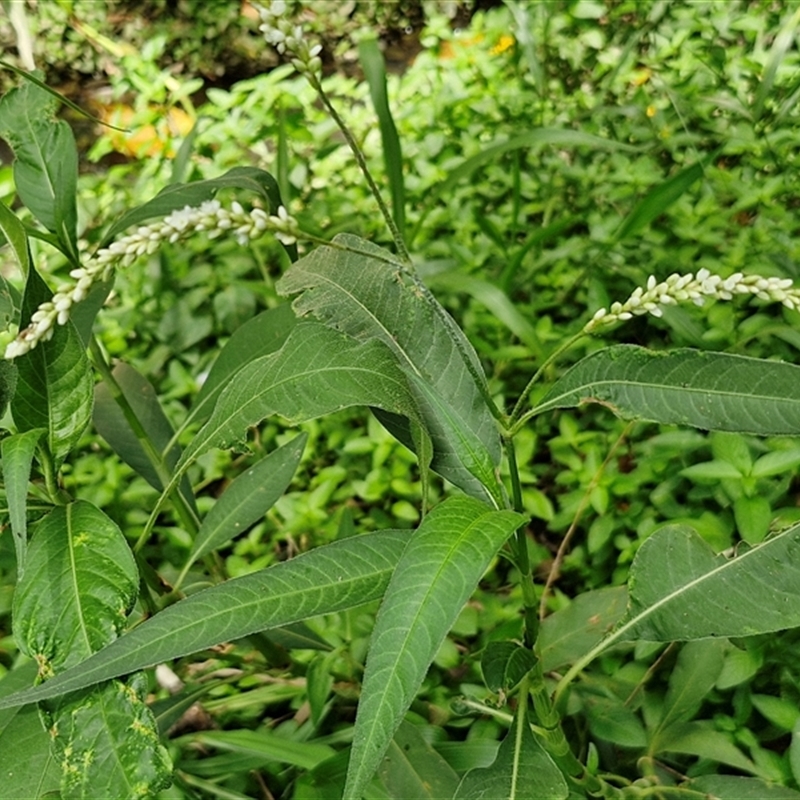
(695,288)
(210,217)
(288,38)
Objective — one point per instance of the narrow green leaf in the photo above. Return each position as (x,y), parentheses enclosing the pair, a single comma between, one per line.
(412,768)
(696,672)
(263,334)
(780,46)
(79,584)
(106,741)
(316,372)
(178,195)
(573,631)
(522,771)
(14,231)
(614,722)
(731,787)
(556,137)
(54,384)
(156,465)
(372,62)
(496,301)
(364,291)
(267,746)
(332,578)
(46,160)
(249,497)
(776,463)
(438,571)
(713,391)
(680,589)
(659,199)
(17,456)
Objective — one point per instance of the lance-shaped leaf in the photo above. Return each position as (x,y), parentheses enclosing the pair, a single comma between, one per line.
(713,391)
(46,159)
(364,291)
(263,334)
(680,589)
(179,195)
(316,372)
(249,497)
(54,381)
(146,449)
(522,771)
(17,456)
(332,578)
(437,573)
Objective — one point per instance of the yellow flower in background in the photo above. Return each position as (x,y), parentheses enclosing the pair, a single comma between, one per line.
(641,76)
(650,111)
(504,43)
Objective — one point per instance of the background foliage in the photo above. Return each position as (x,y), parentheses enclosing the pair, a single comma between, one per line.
(523,225)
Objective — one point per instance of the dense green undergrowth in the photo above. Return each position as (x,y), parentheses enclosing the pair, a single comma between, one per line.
(554,156)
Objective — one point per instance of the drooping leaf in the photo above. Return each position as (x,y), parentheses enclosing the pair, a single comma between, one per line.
(46,160)
(362,290)
(438,571)
(14,232)
(340,575)
(54,381)
(317,371)
(145,452)
(522,771)
(412,768)
(713,391)
(249,497)
(614,722)
(17,456)
(263,334)
(106,741)
(80,582)
(505,664)
(700,738)
(178,195)
(680,589)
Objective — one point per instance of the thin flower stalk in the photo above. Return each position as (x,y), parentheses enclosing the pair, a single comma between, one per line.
(652,298)
(210,217)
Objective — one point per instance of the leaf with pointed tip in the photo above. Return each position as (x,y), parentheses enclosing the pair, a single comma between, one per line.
(713,391)
(522,771)
(437,573)
(365,292)
(316,372)
(680,589)
(331,578)
(17,456)
(178,195)
(732,787)
(263,334)
(114,427)
(46,160)
(249,497)
(54,381)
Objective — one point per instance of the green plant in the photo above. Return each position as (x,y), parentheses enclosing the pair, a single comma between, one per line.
(365,330)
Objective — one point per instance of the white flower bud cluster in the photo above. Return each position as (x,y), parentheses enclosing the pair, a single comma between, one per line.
(210,217)
(288,38)
(696,288)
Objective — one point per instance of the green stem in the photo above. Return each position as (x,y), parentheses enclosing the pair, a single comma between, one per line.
(182,508)
(529,602)
(55,494)
(362,165)
(518,419)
